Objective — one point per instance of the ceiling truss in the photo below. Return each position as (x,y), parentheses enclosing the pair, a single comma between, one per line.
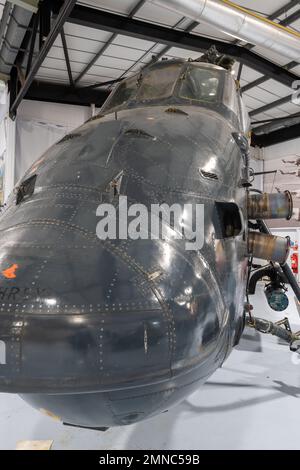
(45,30)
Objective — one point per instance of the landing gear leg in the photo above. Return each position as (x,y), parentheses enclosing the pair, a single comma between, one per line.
(281,329)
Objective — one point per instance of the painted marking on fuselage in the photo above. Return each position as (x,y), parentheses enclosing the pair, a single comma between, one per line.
(16,293)
(2,353)
(10,273)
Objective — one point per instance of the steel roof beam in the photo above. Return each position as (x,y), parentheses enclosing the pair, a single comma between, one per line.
(101,51)
(286,22)
(67,58)
(274,104)
(56,93)
(284,9)
(64,12)
(98,19)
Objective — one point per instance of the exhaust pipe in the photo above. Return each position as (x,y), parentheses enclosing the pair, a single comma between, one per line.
(270,206)
(268,247)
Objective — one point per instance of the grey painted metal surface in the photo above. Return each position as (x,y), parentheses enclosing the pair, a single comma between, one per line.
(103,333)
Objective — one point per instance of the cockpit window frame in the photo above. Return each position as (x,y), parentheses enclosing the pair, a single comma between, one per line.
(135,98)
(171,91)
(220,103)
(195,65)
(107,108)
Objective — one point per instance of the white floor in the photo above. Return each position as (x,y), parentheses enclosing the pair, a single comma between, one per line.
(251,403)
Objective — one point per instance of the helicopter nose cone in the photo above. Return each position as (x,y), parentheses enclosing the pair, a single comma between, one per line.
(119,329)
(90,336)
(76,313)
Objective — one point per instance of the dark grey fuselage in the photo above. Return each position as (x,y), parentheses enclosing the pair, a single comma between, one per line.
(104,333)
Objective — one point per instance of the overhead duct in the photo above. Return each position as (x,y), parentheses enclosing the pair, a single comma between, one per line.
(239,23)
(18,22)
(4,21)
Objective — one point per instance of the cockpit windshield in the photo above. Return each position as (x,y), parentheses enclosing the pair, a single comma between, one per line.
(124,93)
(200,84)
(186,83)
(159,83)
(150,85)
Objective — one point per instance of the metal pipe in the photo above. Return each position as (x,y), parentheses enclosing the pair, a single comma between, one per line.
(268,247)
(14,36)
(239,23)
(268,327)
(260,173)
(284,266)
(270,206)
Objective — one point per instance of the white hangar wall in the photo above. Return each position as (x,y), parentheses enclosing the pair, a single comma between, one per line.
(39,125)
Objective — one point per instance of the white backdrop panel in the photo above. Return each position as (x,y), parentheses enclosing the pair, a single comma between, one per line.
(32,140)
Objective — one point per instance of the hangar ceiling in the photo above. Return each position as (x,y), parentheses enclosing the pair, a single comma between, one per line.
(91,42)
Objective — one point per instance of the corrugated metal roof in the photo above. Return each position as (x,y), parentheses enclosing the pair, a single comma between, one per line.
(126,55)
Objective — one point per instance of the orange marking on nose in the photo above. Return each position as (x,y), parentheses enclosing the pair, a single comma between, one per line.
(10,273)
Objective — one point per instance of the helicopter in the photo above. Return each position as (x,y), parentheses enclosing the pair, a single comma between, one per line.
(108,331)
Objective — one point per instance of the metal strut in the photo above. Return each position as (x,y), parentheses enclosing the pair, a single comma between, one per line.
(281,329)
